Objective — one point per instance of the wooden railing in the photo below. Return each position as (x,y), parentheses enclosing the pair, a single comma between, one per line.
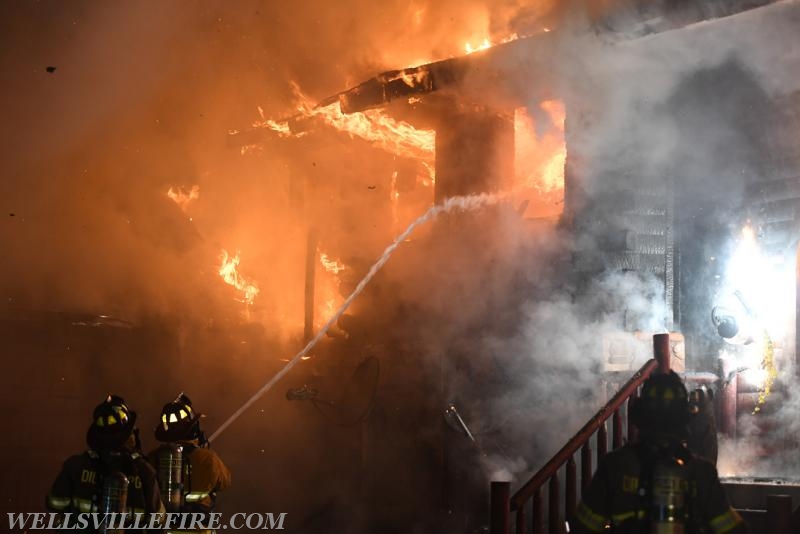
(502,504)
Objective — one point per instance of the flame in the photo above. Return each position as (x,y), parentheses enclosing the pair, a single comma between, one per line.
(183,197)
(486,43)
(229,272)
(375,126)
(468,48)
(540,157)
(331,265)
(328,298)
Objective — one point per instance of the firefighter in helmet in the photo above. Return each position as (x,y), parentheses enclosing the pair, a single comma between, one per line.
(190,474)
(111,476)
(657,484)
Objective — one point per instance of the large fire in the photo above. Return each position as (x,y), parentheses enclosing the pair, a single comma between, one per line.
(229,271)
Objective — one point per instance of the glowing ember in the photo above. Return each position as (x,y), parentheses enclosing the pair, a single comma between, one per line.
(183,196)
(397,137)
(229,272)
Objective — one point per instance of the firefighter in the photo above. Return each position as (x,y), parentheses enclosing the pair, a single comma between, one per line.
(111,476)
(190,474)
(657,484)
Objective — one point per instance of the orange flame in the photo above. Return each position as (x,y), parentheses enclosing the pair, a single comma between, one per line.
(540,154)
(397,137)
(183,196)
(328,296)
(486,43)
(229,272)
(330,264)
(468,48)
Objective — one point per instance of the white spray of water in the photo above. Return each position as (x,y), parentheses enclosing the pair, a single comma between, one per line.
(467,203)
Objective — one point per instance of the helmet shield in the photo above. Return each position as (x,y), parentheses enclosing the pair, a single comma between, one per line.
(178,421)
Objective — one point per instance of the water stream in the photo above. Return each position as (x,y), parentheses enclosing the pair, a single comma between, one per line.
(466,203)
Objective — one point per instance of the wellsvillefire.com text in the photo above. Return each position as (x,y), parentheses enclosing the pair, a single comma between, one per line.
(113,521)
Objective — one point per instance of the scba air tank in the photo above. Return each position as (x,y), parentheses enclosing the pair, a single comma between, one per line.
(670,496)
(113,502)
(170,476)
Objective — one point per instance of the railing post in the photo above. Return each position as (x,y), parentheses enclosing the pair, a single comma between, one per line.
(779,514)
(661,352)
(538,513)
(632,430)
(554,506)
(571,495)
(602,441)
(500,507)
(522,524)
(616,430)
(586,465)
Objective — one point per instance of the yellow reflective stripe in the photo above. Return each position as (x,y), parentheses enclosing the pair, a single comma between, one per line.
(633,514)
(726,522)
(60,503)
(589,519)
(84,505)
(194,496)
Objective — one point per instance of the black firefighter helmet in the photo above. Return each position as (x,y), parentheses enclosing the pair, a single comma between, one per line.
(663,405)
(112,425)
(179,421)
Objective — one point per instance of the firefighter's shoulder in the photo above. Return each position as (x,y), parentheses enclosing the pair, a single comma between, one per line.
(79,461)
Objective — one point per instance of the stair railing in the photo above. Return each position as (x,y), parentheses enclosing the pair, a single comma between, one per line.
(502,503)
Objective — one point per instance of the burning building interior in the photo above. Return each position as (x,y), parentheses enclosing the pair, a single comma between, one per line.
(395,251)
